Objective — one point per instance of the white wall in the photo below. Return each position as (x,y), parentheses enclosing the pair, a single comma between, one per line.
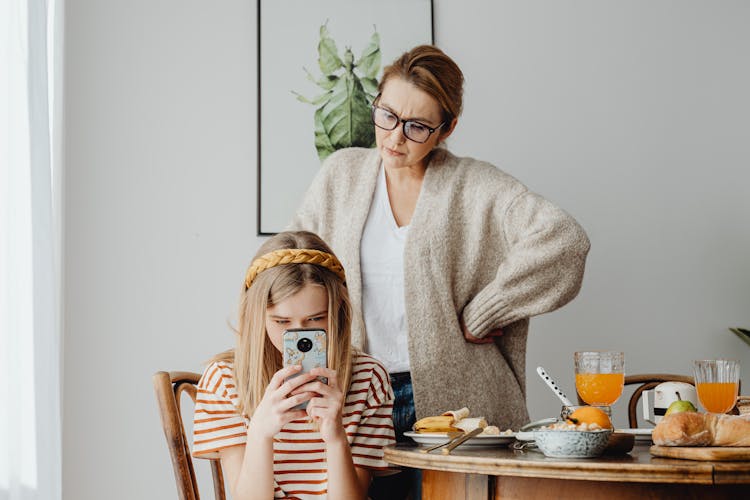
(631,115)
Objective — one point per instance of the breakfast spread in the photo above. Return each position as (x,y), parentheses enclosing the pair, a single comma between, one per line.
(689,428)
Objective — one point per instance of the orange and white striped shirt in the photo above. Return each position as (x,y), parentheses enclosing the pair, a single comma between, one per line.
(299,461)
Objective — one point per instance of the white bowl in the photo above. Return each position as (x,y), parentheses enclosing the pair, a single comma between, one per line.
(572,444)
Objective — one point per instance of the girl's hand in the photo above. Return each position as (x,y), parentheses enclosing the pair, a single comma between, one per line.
(326,407)
(281,395)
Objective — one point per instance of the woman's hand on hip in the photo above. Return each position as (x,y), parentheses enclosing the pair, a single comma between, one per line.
(327,406)
(281,395)
(487,339)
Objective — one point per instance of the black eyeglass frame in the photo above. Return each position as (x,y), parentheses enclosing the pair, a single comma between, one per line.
(403,122)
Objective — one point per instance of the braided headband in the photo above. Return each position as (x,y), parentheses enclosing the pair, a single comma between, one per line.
(293,256)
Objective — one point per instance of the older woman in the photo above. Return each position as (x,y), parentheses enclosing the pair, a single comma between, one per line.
(446,257)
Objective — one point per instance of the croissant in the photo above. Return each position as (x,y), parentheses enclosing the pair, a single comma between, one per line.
(691,428)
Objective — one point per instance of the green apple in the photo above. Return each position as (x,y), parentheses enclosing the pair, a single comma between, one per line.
(679,406)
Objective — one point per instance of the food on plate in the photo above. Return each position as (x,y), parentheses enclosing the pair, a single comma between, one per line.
(458,420)
(441,423)
(590,417)
(689,428)
(680,406)
(458,414)
(493,430)
(469,424)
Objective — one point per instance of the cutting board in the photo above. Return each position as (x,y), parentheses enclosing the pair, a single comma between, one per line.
(712,453)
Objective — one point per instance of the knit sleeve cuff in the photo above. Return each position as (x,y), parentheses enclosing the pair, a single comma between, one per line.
(486,312)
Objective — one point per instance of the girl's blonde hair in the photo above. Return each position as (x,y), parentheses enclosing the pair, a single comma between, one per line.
(255,358)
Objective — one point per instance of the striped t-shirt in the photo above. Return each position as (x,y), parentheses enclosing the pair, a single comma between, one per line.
(299,462)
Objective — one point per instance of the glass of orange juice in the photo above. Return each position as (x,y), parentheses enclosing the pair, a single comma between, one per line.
(717,382)
(599,376)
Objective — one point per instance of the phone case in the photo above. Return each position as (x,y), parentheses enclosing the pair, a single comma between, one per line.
(307,348)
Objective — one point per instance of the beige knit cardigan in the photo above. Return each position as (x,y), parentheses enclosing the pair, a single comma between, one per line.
(481,247)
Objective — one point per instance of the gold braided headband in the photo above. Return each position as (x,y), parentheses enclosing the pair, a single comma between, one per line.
(293,256)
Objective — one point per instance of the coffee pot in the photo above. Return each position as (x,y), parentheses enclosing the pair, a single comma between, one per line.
(664,395)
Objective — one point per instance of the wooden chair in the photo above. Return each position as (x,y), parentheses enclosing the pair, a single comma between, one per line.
(169,388)
(648,381)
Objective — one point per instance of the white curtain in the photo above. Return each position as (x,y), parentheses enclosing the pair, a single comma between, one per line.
(30,245)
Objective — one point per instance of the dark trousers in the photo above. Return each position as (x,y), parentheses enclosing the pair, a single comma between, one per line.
(407,484)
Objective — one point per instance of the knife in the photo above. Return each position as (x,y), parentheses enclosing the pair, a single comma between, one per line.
(451,436)
(461,440)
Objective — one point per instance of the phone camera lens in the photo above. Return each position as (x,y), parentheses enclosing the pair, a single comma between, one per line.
(304,344)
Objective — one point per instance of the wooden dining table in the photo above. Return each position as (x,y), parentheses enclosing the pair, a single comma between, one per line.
(503,472)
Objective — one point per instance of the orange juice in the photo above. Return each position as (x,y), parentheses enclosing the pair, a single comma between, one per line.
(600,388)
(717,397)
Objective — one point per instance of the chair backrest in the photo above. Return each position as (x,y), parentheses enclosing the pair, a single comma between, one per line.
(169,388)
(648,381)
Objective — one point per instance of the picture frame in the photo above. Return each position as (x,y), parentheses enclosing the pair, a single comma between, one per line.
(289,34)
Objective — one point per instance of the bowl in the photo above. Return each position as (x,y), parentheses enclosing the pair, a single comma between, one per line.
(559,443)
(619,443)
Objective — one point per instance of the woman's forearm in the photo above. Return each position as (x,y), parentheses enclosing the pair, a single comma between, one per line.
(343,482)
(255,479)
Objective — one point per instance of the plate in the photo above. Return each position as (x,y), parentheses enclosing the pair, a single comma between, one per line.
(433,438)
(643,434)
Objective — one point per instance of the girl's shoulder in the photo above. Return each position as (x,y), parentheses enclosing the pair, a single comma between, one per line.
(216,374)
(364,365)
(364,360)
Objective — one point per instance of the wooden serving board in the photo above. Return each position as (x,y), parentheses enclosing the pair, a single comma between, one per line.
(712,453)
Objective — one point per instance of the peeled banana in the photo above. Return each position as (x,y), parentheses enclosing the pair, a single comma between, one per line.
(442,423)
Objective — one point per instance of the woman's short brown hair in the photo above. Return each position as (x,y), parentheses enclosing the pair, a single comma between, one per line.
(429,69)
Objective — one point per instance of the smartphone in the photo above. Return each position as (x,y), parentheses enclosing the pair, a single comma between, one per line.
(306,347)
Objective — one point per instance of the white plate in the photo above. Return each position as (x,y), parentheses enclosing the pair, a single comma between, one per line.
(643,434)
(433,438)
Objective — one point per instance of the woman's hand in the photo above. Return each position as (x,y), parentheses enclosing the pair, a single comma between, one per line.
(281,395)
(326,407)
(487,339)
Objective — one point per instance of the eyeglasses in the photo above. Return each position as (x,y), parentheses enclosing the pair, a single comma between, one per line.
(413,130)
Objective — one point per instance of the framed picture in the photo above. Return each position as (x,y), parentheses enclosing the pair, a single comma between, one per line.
(319,62)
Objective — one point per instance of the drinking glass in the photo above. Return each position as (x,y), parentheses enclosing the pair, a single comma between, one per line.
(717,382)
(599,376)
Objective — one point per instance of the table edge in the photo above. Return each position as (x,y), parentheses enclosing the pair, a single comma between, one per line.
(676,471)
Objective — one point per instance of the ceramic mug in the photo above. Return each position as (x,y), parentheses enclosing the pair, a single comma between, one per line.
(664,395)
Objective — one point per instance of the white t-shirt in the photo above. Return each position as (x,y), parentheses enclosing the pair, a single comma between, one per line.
(382,264)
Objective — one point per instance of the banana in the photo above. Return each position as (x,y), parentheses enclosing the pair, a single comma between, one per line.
(442,423)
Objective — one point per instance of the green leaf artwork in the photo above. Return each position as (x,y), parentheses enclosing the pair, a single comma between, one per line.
(742,333)
(342,119)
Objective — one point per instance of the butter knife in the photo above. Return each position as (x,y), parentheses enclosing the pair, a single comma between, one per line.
(451,436)
(459,441)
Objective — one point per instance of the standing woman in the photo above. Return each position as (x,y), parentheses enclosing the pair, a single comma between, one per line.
(447,258)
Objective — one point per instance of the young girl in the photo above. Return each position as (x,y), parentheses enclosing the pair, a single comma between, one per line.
(244,411)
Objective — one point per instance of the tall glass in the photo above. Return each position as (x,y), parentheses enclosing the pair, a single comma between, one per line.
(600,376)
(717,382)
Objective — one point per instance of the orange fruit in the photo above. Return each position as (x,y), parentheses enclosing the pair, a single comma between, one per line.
(591,415)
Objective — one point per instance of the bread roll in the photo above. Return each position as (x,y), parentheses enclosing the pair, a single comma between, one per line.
(469,424)
(690,428)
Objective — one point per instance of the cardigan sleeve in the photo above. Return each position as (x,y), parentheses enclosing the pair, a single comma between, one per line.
(542,270)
